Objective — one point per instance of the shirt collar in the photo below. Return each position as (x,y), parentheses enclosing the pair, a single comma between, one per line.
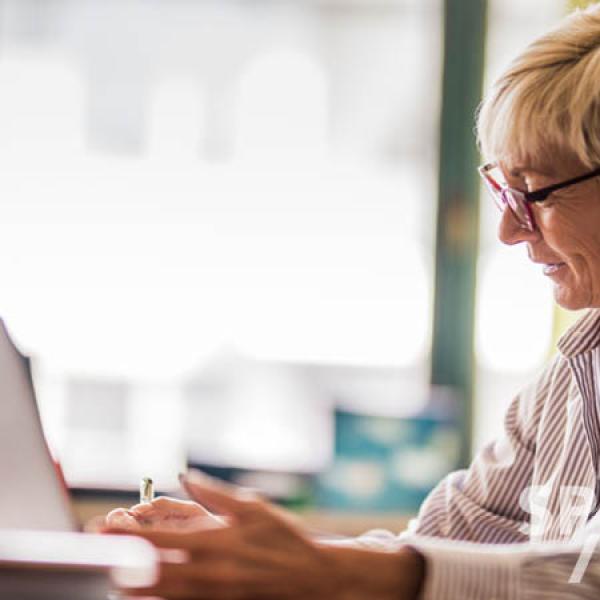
(583,336)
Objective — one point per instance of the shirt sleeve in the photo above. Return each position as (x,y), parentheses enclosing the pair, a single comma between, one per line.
(457,570)
(472,529)
(526,571)
(483,503)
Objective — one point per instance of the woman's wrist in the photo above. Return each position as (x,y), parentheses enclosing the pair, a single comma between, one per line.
(413,565)
(362,573)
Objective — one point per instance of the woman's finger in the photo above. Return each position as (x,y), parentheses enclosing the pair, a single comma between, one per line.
(169,507)
(209,540)
(218,495)
(121,519)
(233,500)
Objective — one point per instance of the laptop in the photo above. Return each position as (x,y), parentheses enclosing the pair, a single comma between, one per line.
(33,495)
(42,554)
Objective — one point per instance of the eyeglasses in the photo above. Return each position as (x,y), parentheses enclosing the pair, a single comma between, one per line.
(517,200)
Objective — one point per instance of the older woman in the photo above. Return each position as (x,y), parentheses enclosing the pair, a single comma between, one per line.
(520,522)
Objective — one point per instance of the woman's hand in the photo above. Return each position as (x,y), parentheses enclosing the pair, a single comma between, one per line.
(260,553)
(163,514)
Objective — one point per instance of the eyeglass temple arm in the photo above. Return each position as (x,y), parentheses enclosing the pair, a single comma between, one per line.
(541,195)
(484,172)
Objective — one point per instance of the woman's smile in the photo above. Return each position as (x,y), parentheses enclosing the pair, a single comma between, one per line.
(551,269)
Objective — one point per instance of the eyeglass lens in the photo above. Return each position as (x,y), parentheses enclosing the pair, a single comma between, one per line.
(506,196)
(517,203)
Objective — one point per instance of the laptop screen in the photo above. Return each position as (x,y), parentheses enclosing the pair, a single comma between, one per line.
(33,496)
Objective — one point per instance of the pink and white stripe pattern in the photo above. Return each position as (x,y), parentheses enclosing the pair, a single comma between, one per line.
(512,525)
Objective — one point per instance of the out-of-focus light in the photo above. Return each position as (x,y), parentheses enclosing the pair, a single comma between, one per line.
(514,312)
(41,109)
(146,270)
(260,415)
(175,120)
(282,108)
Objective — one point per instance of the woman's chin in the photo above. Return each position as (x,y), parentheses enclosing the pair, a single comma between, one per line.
(571,299)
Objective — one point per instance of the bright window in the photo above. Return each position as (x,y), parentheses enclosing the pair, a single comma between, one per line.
(228,180)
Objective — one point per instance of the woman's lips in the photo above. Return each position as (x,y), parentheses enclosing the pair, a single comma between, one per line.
(552,268)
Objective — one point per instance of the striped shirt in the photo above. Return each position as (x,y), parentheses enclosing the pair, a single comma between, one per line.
(520,522)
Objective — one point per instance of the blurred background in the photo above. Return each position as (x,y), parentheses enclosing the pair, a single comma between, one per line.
(218,241)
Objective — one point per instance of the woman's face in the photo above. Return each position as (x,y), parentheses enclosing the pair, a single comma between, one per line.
(566,243)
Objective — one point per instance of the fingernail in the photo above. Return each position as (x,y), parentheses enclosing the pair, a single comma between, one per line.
(139,509)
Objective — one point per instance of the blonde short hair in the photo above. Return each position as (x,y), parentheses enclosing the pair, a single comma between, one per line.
(548,98)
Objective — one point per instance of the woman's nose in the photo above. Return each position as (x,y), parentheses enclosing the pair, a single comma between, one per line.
(511,232)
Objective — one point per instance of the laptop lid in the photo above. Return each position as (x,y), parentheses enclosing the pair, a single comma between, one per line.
(33,495)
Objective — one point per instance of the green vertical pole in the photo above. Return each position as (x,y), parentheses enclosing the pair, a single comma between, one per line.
(458,207)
